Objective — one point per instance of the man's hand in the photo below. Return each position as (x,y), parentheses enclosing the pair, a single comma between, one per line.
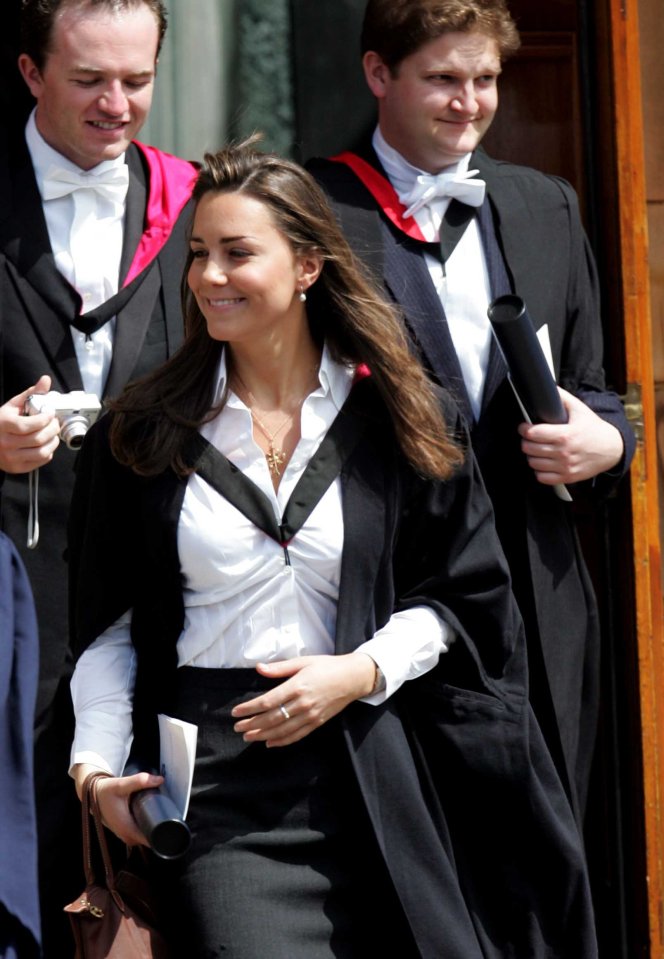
(316,688)
(27,442)
(583,447)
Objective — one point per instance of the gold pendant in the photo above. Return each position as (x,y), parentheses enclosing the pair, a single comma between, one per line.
(275,460)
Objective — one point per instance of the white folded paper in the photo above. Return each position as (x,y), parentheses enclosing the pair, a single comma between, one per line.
(176,759)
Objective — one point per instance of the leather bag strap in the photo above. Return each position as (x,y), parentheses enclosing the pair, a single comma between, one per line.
(90,810)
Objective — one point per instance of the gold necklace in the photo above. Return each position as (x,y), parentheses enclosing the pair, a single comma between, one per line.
(275,457)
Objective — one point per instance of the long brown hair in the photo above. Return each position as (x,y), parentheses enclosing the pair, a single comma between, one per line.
(155,416)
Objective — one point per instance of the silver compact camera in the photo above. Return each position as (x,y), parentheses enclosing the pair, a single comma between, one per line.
(76,412)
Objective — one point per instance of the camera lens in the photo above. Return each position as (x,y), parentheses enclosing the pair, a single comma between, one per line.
(73,430)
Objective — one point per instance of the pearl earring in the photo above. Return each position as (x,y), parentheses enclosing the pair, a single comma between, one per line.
(303,296)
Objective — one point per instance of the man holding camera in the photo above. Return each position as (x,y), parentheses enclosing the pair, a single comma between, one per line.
(447,229)
(92,243)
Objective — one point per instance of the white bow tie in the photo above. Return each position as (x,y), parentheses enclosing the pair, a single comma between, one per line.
(460,186)
(110,183)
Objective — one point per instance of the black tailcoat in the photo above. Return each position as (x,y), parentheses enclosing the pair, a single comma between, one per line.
(467,809)
(549,264)
(38,306)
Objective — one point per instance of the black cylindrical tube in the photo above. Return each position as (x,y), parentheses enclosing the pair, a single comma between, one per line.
(161,823)
(525,360)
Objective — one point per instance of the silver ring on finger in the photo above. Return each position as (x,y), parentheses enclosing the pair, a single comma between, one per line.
(284,712)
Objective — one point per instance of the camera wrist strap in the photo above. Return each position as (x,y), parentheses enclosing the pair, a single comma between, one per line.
(33,513)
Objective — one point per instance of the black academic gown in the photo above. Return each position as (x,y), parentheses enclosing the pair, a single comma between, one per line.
(549,264)
(37,306)
(467,809)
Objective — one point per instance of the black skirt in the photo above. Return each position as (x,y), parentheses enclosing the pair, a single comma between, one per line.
(284,863)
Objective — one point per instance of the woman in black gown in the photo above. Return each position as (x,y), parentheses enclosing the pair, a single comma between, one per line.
(276,537)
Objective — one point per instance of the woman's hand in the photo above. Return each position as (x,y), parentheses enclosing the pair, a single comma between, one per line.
(317,688)
(113,794)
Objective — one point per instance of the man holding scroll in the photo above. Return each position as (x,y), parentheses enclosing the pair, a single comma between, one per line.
(447,229)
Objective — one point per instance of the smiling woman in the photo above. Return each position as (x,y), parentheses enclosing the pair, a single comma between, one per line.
(246,278)
(249,285)
(94,88)
(275,538)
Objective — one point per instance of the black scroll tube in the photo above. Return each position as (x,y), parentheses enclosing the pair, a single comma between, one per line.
(159,820)
(528,368)
(529,371)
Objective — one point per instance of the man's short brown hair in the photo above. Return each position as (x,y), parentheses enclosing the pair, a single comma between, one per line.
(38,17)
(396,28)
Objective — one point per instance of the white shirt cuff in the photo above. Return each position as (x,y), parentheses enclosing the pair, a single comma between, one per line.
(407,646)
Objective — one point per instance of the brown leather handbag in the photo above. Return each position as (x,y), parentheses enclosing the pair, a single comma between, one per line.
(115,919)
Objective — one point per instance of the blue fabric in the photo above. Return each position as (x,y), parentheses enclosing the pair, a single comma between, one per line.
(19,663)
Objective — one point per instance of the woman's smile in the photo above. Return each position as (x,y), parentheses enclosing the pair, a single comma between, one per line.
(218,303)
(243,273)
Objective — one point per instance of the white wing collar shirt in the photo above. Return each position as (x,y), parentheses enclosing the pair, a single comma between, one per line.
(243,603)
(462,283)
(84,212)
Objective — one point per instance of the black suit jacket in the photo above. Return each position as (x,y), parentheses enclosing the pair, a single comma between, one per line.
(460,790)
(37,308)
(549,264)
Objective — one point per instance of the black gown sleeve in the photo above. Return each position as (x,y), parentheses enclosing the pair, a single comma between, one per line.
(448,556)
(104,564)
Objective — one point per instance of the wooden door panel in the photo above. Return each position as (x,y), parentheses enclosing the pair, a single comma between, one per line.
(629,204)
(538,122)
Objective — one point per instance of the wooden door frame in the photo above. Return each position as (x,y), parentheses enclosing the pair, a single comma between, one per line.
(635,296)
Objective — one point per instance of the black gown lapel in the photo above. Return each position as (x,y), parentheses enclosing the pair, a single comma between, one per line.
(231,483)
(24,235)
(132,232)
(133,305)
(46,299)
(325,465)
(500,284)
(510,216)
(52,330)
(408,279)
(136,205)
(133,319)
(364,509)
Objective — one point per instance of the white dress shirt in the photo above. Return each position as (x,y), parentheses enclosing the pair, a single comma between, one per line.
(462,284)
(243,603)
(86,235)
